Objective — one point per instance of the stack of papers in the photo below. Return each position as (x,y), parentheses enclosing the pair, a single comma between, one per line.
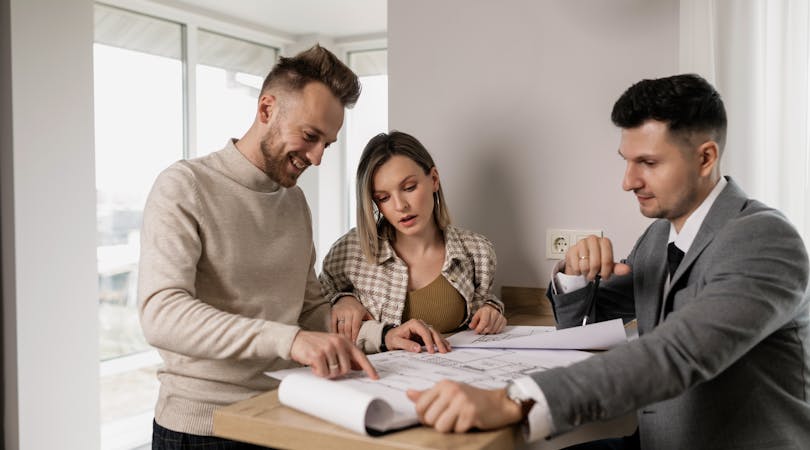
(486,361)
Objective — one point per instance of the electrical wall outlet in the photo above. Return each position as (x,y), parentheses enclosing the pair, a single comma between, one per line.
(558,241)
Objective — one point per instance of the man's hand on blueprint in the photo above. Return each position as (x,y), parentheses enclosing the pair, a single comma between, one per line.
(450,406)
(329,355)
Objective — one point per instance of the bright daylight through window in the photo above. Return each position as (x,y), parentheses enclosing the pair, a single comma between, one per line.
(369,116)
(138,91)
(229,77)
(139,131)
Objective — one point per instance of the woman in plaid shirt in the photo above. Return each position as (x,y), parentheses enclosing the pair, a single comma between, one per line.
(405,264)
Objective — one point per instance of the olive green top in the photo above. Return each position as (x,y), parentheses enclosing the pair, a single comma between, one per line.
(438,304)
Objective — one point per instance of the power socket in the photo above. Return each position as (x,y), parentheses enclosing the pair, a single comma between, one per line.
(558,241)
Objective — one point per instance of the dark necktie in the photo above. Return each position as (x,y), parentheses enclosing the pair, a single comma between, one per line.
(674,257)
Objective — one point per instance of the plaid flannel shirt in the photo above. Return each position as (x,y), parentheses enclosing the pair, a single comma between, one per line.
(469,266)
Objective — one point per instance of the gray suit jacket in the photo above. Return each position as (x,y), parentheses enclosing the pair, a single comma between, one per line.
(729,367)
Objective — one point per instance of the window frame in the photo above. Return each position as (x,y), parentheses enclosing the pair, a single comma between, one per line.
(320,189)
(190,23)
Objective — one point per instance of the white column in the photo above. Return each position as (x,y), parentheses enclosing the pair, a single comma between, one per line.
(47,197)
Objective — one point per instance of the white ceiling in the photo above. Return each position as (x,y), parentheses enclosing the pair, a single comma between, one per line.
(334,18)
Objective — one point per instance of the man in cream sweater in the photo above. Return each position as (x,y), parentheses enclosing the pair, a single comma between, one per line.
(227,287)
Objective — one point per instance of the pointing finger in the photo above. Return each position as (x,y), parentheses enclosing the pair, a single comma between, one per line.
(360,359)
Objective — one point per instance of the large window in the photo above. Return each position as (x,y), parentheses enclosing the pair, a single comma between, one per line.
(230,73)
(138,92)
(167,90)
(144,120)
(369,117)
(139,130)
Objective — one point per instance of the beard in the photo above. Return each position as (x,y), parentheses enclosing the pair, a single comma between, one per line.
(680,204)
(275,159)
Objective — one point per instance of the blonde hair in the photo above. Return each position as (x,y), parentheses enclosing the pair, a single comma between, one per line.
(372,227)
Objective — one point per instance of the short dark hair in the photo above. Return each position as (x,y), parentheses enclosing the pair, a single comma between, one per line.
(687,103)
(315,64)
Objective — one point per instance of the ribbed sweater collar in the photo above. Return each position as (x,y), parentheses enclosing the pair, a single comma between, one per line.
(236,166)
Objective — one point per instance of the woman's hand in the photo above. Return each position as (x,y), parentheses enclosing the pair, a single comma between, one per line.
(411,335)
(488,320)
(348,315)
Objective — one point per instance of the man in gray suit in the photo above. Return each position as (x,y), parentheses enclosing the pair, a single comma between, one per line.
(718,285)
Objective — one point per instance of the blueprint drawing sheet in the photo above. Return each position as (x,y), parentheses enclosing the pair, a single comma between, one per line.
(596,336)
(359,403)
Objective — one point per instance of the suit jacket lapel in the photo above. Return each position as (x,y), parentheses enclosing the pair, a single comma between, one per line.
(728,204)
(653,276)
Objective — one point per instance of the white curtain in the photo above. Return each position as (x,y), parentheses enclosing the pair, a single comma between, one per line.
(756,53)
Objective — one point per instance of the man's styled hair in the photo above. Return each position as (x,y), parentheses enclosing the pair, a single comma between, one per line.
(315,64)
(372,227)
(690,106)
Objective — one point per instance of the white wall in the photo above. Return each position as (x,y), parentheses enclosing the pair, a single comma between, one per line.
(513,100)
(6,220)
(50,300)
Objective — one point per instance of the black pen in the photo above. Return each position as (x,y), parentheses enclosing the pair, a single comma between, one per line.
(591,302)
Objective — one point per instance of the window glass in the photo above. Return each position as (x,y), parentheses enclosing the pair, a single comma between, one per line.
(369,116)
(138,95)
(230,73)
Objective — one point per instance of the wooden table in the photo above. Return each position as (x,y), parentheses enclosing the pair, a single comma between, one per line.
(264,421)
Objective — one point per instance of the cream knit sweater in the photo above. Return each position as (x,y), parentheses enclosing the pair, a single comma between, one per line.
(226,278)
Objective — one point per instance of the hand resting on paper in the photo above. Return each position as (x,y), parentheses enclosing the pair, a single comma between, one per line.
(348,315)
(450,406)
(487,320)
(329,355)
(411,335)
